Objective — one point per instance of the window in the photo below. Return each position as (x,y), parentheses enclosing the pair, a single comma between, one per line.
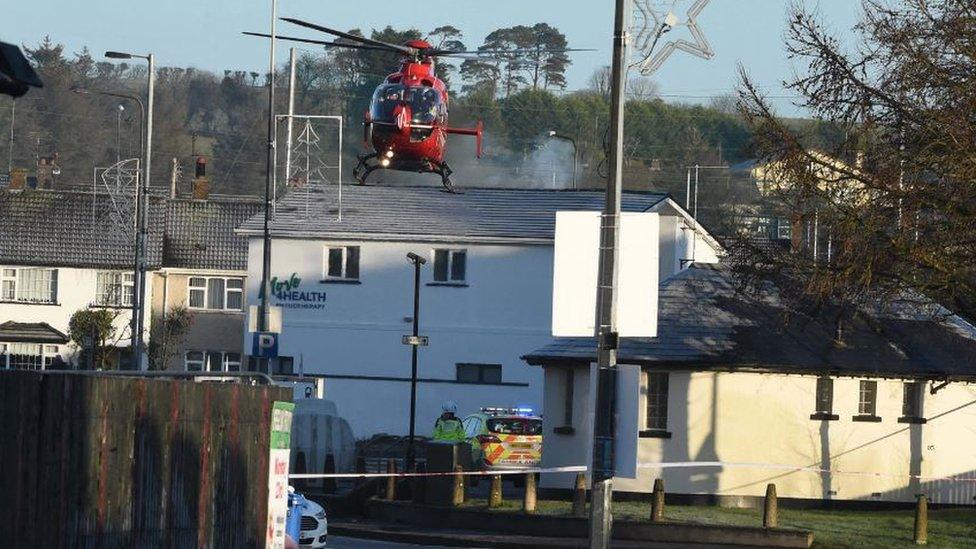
(657,401)
(479,373)
(29,285)
(867,402)
(825,395)
(911,405)
(450,266)
(212,361)
(114,289)
(341,263)
(28,356)
(216,293)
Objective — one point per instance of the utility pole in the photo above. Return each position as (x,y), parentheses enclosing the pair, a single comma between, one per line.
(602,469)
(291,114)
(10,147)
(268,182)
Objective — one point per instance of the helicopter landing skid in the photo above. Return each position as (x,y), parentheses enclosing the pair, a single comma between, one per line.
(445,171)
(365,167)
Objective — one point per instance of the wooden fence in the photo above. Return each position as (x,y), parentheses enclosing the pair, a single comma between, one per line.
(108,462)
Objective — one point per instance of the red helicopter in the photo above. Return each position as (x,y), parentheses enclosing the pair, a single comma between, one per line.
(406,124)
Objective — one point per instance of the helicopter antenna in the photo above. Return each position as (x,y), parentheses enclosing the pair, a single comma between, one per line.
(651,22)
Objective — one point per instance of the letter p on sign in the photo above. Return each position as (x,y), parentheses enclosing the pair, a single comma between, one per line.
(265,345)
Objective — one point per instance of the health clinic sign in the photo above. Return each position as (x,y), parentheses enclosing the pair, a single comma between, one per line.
(288,294)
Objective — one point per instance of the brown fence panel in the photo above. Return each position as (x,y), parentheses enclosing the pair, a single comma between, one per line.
(107,462)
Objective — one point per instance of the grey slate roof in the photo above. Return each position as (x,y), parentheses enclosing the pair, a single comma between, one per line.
(704,322)
(428,212)
(200,234)
(58,228)
(31,332)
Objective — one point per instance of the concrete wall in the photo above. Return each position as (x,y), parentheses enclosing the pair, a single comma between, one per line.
(76,291)
(765,419)
(210,330)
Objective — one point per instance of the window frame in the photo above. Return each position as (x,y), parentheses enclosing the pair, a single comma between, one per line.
(824,413)
(660,401)
(205,362)
(126,279)
(482,368)
(205,291)
(451,260)
(914,390)
(867,387)
(45,355)
(19,286)
(344,268)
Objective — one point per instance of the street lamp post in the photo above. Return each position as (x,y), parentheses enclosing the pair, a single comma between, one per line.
(142,108)
(553,134)
(142,214)
(417,262)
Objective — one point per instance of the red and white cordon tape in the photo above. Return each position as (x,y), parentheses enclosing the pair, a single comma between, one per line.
(650,465)
(569,469)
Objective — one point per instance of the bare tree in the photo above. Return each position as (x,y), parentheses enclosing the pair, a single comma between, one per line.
(892,205)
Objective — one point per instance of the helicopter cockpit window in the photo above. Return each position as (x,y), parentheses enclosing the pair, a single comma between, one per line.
(385,100)
(426,105)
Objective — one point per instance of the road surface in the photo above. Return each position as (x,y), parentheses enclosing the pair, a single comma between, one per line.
(355,543)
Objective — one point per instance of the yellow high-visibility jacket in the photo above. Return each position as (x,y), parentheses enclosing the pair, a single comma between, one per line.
(449,429)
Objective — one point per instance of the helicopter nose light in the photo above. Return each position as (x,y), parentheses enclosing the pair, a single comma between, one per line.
(389,154)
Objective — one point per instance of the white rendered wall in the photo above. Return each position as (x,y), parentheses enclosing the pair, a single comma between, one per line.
(765,418)
(76,291)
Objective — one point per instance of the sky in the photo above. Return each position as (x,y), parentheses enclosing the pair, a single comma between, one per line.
(206,33)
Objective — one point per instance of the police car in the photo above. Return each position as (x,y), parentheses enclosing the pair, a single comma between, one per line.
(504,438)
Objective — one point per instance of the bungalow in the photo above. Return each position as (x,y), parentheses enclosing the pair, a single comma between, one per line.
(741,389)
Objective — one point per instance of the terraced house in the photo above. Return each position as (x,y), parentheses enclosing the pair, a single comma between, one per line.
(61,252)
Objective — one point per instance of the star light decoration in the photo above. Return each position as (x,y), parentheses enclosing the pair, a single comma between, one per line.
(652,22)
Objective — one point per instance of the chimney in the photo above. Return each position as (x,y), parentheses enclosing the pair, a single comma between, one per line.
(18,179)
(201,184)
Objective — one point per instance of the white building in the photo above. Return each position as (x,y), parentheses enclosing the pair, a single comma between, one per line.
(346,291)
(61,252)
(754,392)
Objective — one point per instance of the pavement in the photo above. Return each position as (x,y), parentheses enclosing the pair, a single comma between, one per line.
(355,543)
(369,535)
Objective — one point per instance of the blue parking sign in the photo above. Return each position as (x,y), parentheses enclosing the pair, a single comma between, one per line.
(265,345)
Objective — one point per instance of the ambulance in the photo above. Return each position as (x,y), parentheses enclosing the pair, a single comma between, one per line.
(504,438)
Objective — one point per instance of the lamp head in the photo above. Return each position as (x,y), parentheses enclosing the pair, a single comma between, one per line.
(552,133)
(416,259)
(118,55)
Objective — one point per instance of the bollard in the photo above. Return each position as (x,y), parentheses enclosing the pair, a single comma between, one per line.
(391,481)
(361,469)
(770,507)
(329,484)
(922,520)
(419,484)
(579,496)
(495,494)
(458,486)
(529,499)
(657,501)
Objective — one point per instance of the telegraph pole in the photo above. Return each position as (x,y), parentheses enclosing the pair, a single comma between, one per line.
(269,177)
(602,469)
(291,114)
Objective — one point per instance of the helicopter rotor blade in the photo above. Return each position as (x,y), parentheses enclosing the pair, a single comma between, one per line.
(348,36)
(318,42)
(452,53)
